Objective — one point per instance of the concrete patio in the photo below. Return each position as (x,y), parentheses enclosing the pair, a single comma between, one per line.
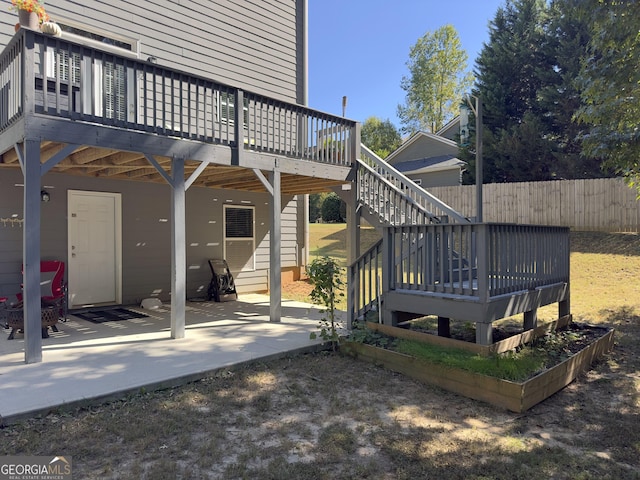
(87,362)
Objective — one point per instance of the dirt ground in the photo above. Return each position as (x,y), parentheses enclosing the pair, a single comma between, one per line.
(326,416)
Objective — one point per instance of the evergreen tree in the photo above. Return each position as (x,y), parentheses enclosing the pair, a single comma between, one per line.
(568,39)
(527,81)
(610,81)
(332,208)
(315,206)
(510,72)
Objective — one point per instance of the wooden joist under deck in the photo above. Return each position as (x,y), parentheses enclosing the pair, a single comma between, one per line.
(125,165)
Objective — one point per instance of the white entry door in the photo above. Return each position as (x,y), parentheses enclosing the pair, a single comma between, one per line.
(95,243)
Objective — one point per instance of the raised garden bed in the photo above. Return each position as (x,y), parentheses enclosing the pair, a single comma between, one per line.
(512,395)
(485,350)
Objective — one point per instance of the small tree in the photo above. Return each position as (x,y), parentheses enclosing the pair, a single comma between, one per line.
(331,208)
(326,277)
(315,206)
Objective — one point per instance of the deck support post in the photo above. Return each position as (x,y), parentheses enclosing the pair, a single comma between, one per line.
(531,319)
(484,333)
(275,254)
(272,184)
(353,252)
(30,163)
(444,327)
(178,250)
(564,307)
(388,270)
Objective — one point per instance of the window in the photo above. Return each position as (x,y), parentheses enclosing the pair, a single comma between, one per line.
(115,104)
(109,78)
(227,108)
(104,38)
(239,237)
(63,66)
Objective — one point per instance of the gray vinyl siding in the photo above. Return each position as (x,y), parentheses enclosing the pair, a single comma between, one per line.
(253,44)
(146,233)
(424,149)
(443,178)
(289,235)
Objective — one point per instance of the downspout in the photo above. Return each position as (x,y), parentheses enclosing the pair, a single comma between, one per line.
(304,5)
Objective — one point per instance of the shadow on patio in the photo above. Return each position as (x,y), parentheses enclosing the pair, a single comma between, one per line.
(86,361)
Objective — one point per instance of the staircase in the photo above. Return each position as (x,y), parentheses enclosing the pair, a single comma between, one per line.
(386,197)
(393,199)
(434,261)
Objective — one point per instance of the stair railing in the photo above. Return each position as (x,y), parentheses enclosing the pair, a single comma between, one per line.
(392,187)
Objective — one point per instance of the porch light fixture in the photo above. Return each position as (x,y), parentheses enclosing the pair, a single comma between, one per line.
(44,196)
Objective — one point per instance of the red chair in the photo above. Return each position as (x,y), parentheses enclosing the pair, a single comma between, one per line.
(53,294)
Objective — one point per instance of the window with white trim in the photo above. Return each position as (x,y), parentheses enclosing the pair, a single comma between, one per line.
(109,78)
(111,81)
(61,65)
(239,237)
(227,108)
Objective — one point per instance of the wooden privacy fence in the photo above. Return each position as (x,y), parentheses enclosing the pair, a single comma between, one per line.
(604,204)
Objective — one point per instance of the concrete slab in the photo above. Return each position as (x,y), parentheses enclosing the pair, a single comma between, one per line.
(86,362)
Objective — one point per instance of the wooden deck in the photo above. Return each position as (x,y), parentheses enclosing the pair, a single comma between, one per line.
(473,272)
(84,110)
(100,114)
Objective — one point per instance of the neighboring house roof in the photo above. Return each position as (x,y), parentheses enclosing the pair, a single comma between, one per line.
(451,129)
(430,164)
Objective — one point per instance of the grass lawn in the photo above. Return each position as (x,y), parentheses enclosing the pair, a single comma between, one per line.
(331,239)
(325,416)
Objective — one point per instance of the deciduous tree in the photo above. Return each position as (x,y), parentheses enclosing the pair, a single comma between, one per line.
(382,137)
(437,80)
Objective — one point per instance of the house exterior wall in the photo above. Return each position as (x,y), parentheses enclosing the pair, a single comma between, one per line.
(253,44)
(256,45)
(422,149)
(443,178)
(146,233)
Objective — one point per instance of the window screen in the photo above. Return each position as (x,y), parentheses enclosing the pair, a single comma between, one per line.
(239,242)
(238,222)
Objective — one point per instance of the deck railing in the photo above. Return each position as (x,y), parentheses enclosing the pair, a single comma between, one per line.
(472,260)
(478,260)
(395,198)
(365,282)
(41,74)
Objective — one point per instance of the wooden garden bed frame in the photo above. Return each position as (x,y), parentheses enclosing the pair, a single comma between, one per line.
(514,396)
(485,350)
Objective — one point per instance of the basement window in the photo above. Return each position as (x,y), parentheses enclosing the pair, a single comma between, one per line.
(239,237)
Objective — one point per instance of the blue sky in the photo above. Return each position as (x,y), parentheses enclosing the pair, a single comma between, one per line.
(360,48)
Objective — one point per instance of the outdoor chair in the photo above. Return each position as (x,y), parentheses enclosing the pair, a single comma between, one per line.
(53,295)
(222,287)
